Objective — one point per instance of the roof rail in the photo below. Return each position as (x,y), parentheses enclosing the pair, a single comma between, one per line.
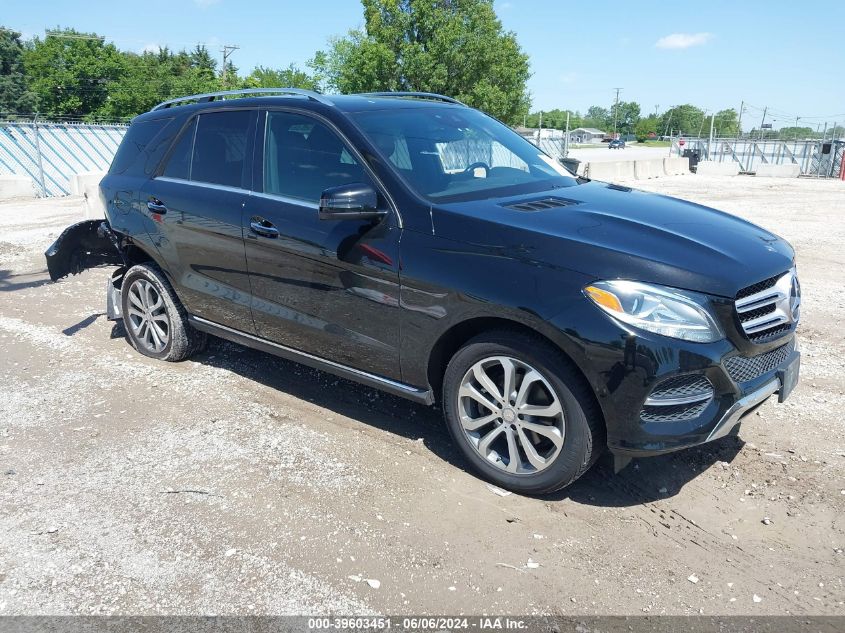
(224,94)
(414,95)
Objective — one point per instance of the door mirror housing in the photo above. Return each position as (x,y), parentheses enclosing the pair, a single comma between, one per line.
(356,201)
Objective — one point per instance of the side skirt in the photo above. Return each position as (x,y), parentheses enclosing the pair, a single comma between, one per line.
(423,396)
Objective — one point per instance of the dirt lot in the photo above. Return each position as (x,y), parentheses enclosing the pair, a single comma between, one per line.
(240,483)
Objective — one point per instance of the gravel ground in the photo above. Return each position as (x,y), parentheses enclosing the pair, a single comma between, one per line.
(239,483)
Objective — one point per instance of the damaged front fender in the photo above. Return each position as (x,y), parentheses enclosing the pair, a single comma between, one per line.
(88,244)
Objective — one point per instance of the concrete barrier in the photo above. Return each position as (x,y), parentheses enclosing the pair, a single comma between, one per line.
(78,182)
(651,168)
(712,168)
(611,171)
(582,169)
(16,187)
(789,170)
(93,203)
(676,166)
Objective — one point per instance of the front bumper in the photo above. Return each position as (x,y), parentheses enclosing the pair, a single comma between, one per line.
(743,407)
(625,368)
(731,403)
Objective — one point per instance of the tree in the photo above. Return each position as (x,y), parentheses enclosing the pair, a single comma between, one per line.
(151,78)
(70,72)
(626,114)
(553,119)
(646,128)
(454,47)
(15,98)
(202,61)
(800,132)
(598,117)
(725,123)
(683,119)
(290,77)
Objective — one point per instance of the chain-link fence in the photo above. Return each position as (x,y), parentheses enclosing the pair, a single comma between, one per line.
(50,153)
(819,158)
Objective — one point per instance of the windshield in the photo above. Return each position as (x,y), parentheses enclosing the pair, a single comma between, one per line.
(449,154)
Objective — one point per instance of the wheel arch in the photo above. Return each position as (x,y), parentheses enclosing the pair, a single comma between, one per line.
(457,336)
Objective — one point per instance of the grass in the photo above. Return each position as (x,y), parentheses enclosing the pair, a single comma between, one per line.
(655,144)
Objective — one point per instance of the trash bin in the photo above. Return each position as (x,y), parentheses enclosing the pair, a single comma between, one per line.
(694,156)
(571,164)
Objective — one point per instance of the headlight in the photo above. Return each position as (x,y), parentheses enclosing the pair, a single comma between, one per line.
(658,309)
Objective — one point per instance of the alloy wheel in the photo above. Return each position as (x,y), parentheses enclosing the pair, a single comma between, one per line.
(147,314)
(511,415)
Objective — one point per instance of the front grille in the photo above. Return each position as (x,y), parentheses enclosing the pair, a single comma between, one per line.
(758,287)
(542,203)
(674,413)
(681,387)
(771,334)
(677,398)
(745,368)
(768,308)
(756,313)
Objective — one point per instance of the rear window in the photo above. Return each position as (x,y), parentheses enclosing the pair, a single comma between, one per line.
(138,137)
(213,149)
(220,148)
(179,163)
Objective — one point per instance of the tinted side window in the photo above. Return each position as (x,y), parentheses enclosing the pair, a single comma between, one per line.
(179,163)
(303,157)
(219,155)
(138,136)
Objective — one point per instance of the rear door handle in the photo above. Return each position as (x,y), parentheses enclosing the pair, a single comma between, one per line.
(156,206)
(263,227)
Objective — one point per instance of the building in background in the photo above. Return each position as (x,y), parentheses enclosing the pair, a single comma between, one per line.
(586,135)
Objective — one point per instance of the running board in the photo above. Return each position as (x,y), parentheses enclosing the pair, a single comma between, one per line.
(394,387)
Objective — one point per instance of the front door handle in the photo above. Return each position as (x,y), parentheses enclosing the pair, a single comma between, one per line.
(156,206)
(263,227)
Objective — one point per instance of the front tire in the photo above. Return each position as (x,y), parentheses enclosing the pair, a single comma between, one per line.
(155,321)
(521,413)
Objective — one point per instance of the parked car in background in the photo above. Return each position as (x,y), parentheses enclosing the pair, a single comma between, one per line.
(416,245)
(617,143)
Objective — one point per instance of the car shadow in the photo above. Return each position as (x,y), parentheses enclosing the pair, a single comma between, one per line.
(8,281)
(84,323)
(649,479)
(640,482)
(344,397)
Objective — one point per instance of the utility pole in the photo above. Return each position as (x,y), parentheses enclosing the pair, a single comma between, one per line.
(566,137)
(703,119)
(766,109)
(616,111)
(739,123)
(710,141)
(40,163)
(227,51)
(671,113)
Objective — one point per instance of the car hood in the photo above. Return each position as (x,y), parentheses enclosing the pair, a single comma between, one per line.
(613,232)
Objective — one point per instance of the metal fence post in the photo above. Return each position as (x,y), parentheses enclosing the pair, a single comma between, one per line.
(40,164)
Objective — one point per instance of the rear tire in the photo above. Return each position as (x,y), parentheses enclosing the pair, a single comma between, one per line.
(537,434)
(155,321)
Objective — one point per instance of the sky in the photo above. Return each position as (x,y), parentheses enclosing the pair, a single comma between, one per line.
(715,54)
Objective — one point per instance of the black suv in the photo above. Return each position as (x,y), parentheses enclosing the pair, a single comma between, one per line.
(416,245)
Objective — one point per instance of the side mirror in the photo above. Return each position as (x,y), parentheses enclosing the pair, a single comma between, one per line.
(350,202)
